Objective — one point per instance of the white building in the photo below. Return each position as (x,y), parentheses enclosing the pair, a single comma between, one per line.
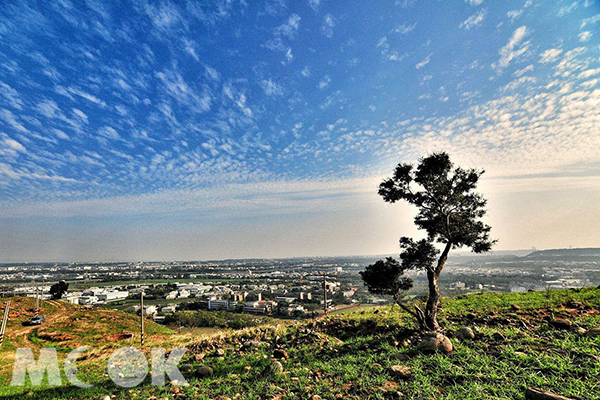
(112,296)
(218,304)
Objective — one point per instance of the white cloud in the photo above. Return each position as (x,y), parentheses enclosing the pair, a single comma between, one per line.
(515,47)
(11,96)
(80,114)
(550,55)
(473,20)
(12,146)
(290,28)
(585,36)
(567,9)
(11,120)
(190,48)
(178,89)
(49,109)
(425,61)
(591,20)
(405,29)
(314,4)
(305,72)
(211,73)
(60,134)
(86,96)
(271,88)
(514,14)
(289,57)
(324,82)
(474,2)
(328,25)
(109,133)
(258,198)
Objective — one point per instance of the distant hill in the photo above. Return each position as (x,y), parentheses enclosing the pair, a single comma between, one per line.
(582,254)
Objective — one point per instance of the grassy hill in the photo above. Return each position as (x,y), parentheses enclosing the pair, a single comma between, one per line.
(521,341)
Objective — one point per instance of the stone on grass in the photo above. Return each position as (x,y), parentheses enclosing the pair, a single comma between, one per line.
(204,371)
(465,333)
(434,341)
(561,323)
(400,371)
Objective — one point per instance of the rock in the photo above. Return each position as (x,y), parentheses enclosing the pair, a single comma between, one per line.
(594,332)
(465,334)
(435,341)
(276,367)
(220,352)
(561,323)
(203,371)
(186,368)
(280,354)
(497,336)
(539,394)
(400,371)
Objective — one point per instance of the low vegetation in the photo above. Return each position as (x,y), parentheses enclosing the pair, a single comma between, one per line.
(548,340)
(215,319)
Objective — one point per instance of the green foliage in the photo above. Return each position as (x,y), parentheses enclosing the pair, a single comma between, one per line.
(214,319)
(59,289)
(449,209)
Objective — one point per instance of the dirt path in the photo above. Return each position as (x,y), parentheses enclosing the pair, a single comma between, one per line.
(19,334)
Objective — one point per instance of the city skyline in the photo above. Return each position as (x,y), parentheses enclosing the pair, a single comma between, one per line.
(169,130)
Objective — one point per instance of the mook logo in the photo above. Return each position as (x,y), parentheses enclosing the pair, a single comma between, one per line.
(127,367)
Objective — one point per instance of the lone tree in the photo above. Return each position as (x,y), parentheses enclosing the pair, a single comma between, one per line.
(59,289)
(449,210)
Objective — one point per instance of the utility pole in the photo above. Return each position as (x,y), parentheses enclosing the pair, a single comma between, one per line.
(142,319)
(37,302)
(4,321)
(325,293)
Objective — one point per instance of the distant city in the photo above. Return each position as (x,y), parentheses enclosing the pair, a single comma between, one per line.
(295,287)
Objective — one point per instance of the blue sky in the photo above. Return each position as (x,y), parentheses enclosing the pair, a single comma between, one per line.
(182,130)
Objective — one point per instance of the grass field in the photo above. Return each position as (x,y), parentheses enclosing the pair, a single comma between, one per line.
(348,356)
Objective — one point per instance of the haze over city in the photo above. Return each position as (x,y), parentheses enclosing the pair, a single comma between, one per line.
(179,130)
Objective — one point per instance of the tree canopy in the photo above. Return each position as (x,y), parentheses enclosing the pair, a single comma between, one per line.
(449,211)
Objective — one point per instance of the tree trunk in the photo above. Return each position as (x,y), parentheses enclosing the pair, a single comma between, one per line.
(431,307)
(433,276)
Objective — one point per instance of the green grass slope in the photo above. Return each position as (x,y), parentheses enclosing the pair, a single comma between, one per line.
(518,344)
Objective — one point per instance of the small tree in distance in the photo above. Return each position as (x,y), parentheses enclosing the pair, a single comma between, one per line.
(449,210)
(59,289)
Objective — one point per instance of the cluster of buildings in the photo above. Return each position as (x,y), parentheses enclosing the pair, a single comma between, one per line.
(96,295)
